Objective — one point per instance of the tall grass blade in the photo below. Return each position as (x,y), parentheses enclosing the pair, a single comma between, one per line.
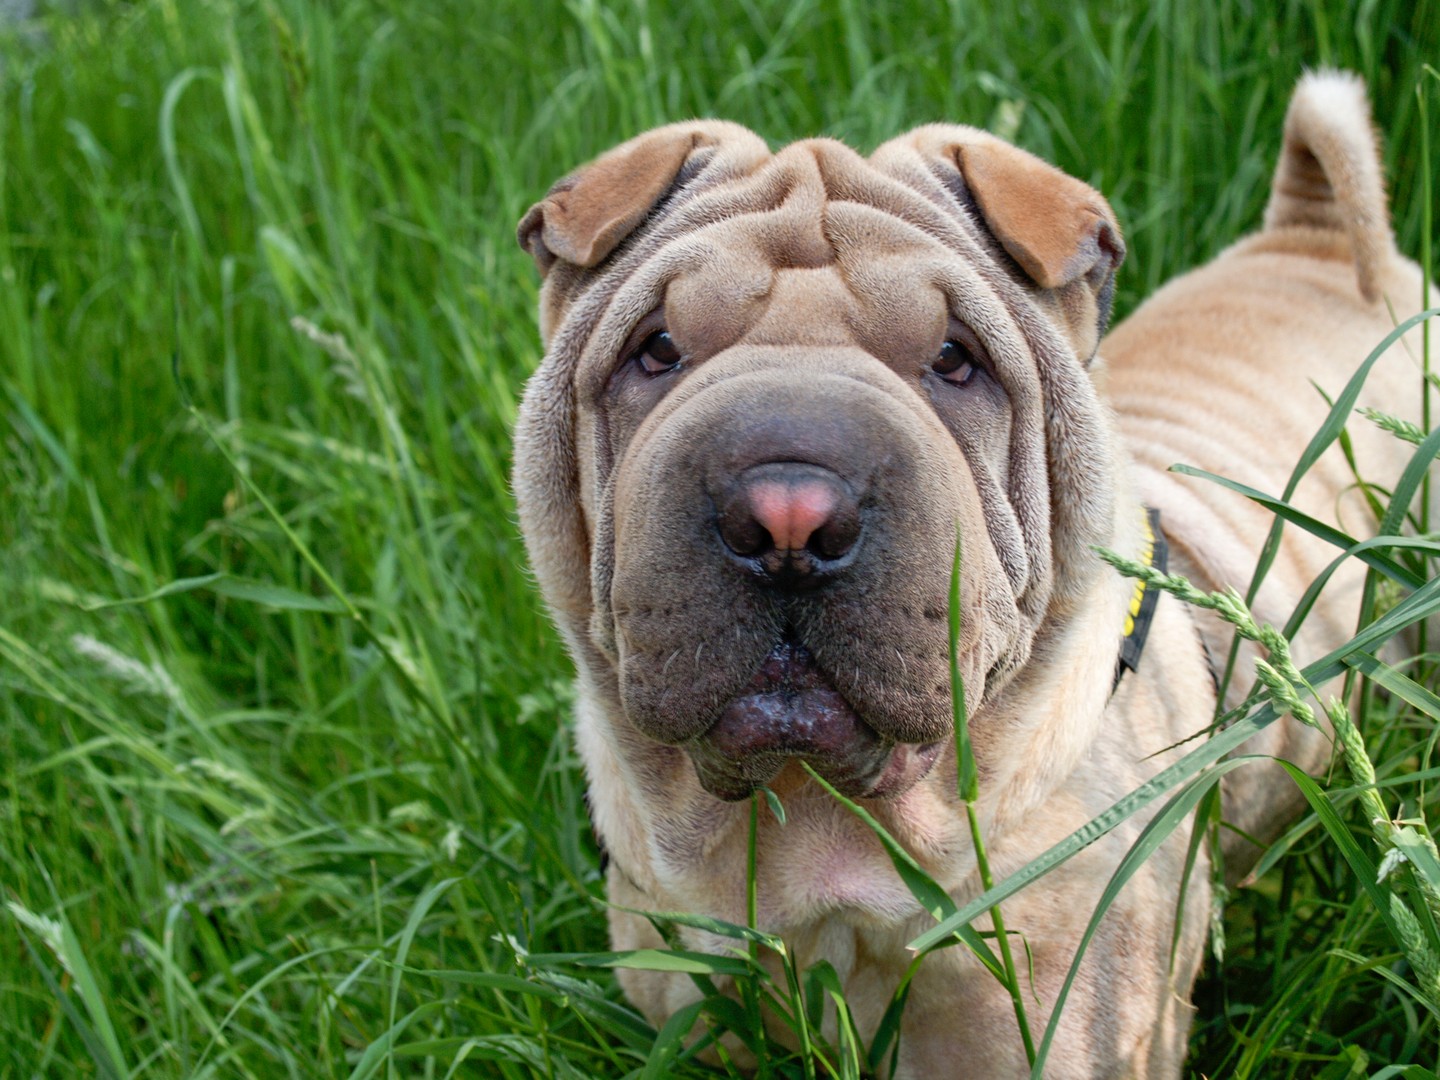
(1397,683)
(670,1042)
(968,781)
(99,1040)
(1361,864)
(407,937)
(170,150)
(1231,738)
(1313,591)
(922,886)
(1331,535)
(1411,482)
(259,592)
(378,1053)
(1156,832)
(1420,605)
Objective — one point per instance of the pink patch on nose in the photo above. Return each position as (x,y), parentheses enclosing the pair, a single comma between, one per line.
(791,513)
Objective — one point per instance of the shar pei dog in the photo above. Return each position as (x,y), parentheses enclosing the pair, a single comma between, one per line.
(777,383)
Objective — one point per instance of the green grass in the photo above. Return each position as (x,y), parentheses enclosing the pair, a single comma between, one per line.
(248,828)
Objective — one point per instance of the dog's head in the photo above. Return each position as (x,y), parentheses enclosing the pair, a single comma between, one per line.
(776,386)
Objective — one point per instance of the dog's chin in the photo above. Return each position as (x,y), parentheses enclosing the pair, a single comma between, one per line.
(790,713)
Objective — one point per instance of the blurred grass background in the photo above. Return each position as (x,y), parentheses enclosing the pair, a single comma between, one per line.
(238,823)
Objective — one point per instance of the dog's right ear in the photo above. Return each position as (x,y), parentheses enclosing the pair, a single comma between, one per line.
(586,215)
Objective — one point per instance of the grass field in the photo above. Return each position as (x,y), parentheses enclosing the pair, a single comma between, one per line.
(286,787)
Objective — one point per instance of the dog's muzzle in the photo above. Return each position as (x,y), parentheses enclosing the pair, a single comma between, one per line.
(784,530)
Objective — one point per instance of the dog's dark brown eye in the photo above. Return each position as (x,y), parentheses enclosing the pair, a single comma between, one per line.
(659,353)
(955,363)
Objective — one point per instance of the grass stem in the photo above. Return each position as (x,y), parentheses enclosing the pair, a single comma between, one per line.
(1012,977)
(967,779)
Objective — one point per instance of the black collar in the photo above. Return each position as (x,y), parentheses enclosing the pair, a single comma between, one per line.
(1154,552)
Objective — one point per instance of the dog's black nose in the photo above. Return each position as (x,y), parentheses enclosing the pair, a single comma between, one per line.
(793,523)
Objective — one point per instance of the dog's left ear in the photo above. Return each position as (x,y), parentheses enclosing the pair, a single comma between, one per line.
(1059,230)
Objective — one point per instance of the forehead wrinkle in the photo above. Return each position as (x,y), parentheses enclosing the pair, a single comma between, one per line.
(821,313)
(903,190)
(832,173)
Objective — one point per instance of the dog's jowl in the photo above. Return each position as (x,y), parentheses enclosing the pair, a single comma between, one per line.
(778,387)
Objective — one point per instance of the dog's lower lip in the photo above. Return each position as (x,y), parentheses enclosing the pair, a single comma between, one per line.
(790,711)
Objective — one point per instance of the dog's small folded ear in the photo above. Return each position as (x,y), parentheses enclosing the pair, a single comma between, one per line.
(586,215)
(1059,230)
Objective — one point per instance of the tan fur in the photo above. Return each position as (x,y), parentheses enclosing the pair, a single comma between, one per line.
(809,290)
(1220,369)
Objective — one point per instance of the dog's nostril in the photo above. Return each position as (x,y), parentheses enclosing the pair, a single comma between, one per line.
(743,534)
(837,536)
(791,518)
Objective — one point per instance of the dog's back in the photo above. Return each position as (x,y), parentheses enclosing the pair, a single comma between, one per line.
(1229,367)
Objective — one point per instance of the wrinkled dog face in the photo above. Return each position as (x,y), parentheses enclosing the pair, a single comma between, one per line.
(776,386)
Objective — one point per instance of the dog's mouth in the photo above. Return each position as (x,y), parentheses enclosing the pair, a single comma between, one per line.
(789,711)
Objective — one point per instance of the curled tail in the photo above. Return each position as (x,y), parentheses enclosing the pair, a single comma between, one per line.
(1329,175)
